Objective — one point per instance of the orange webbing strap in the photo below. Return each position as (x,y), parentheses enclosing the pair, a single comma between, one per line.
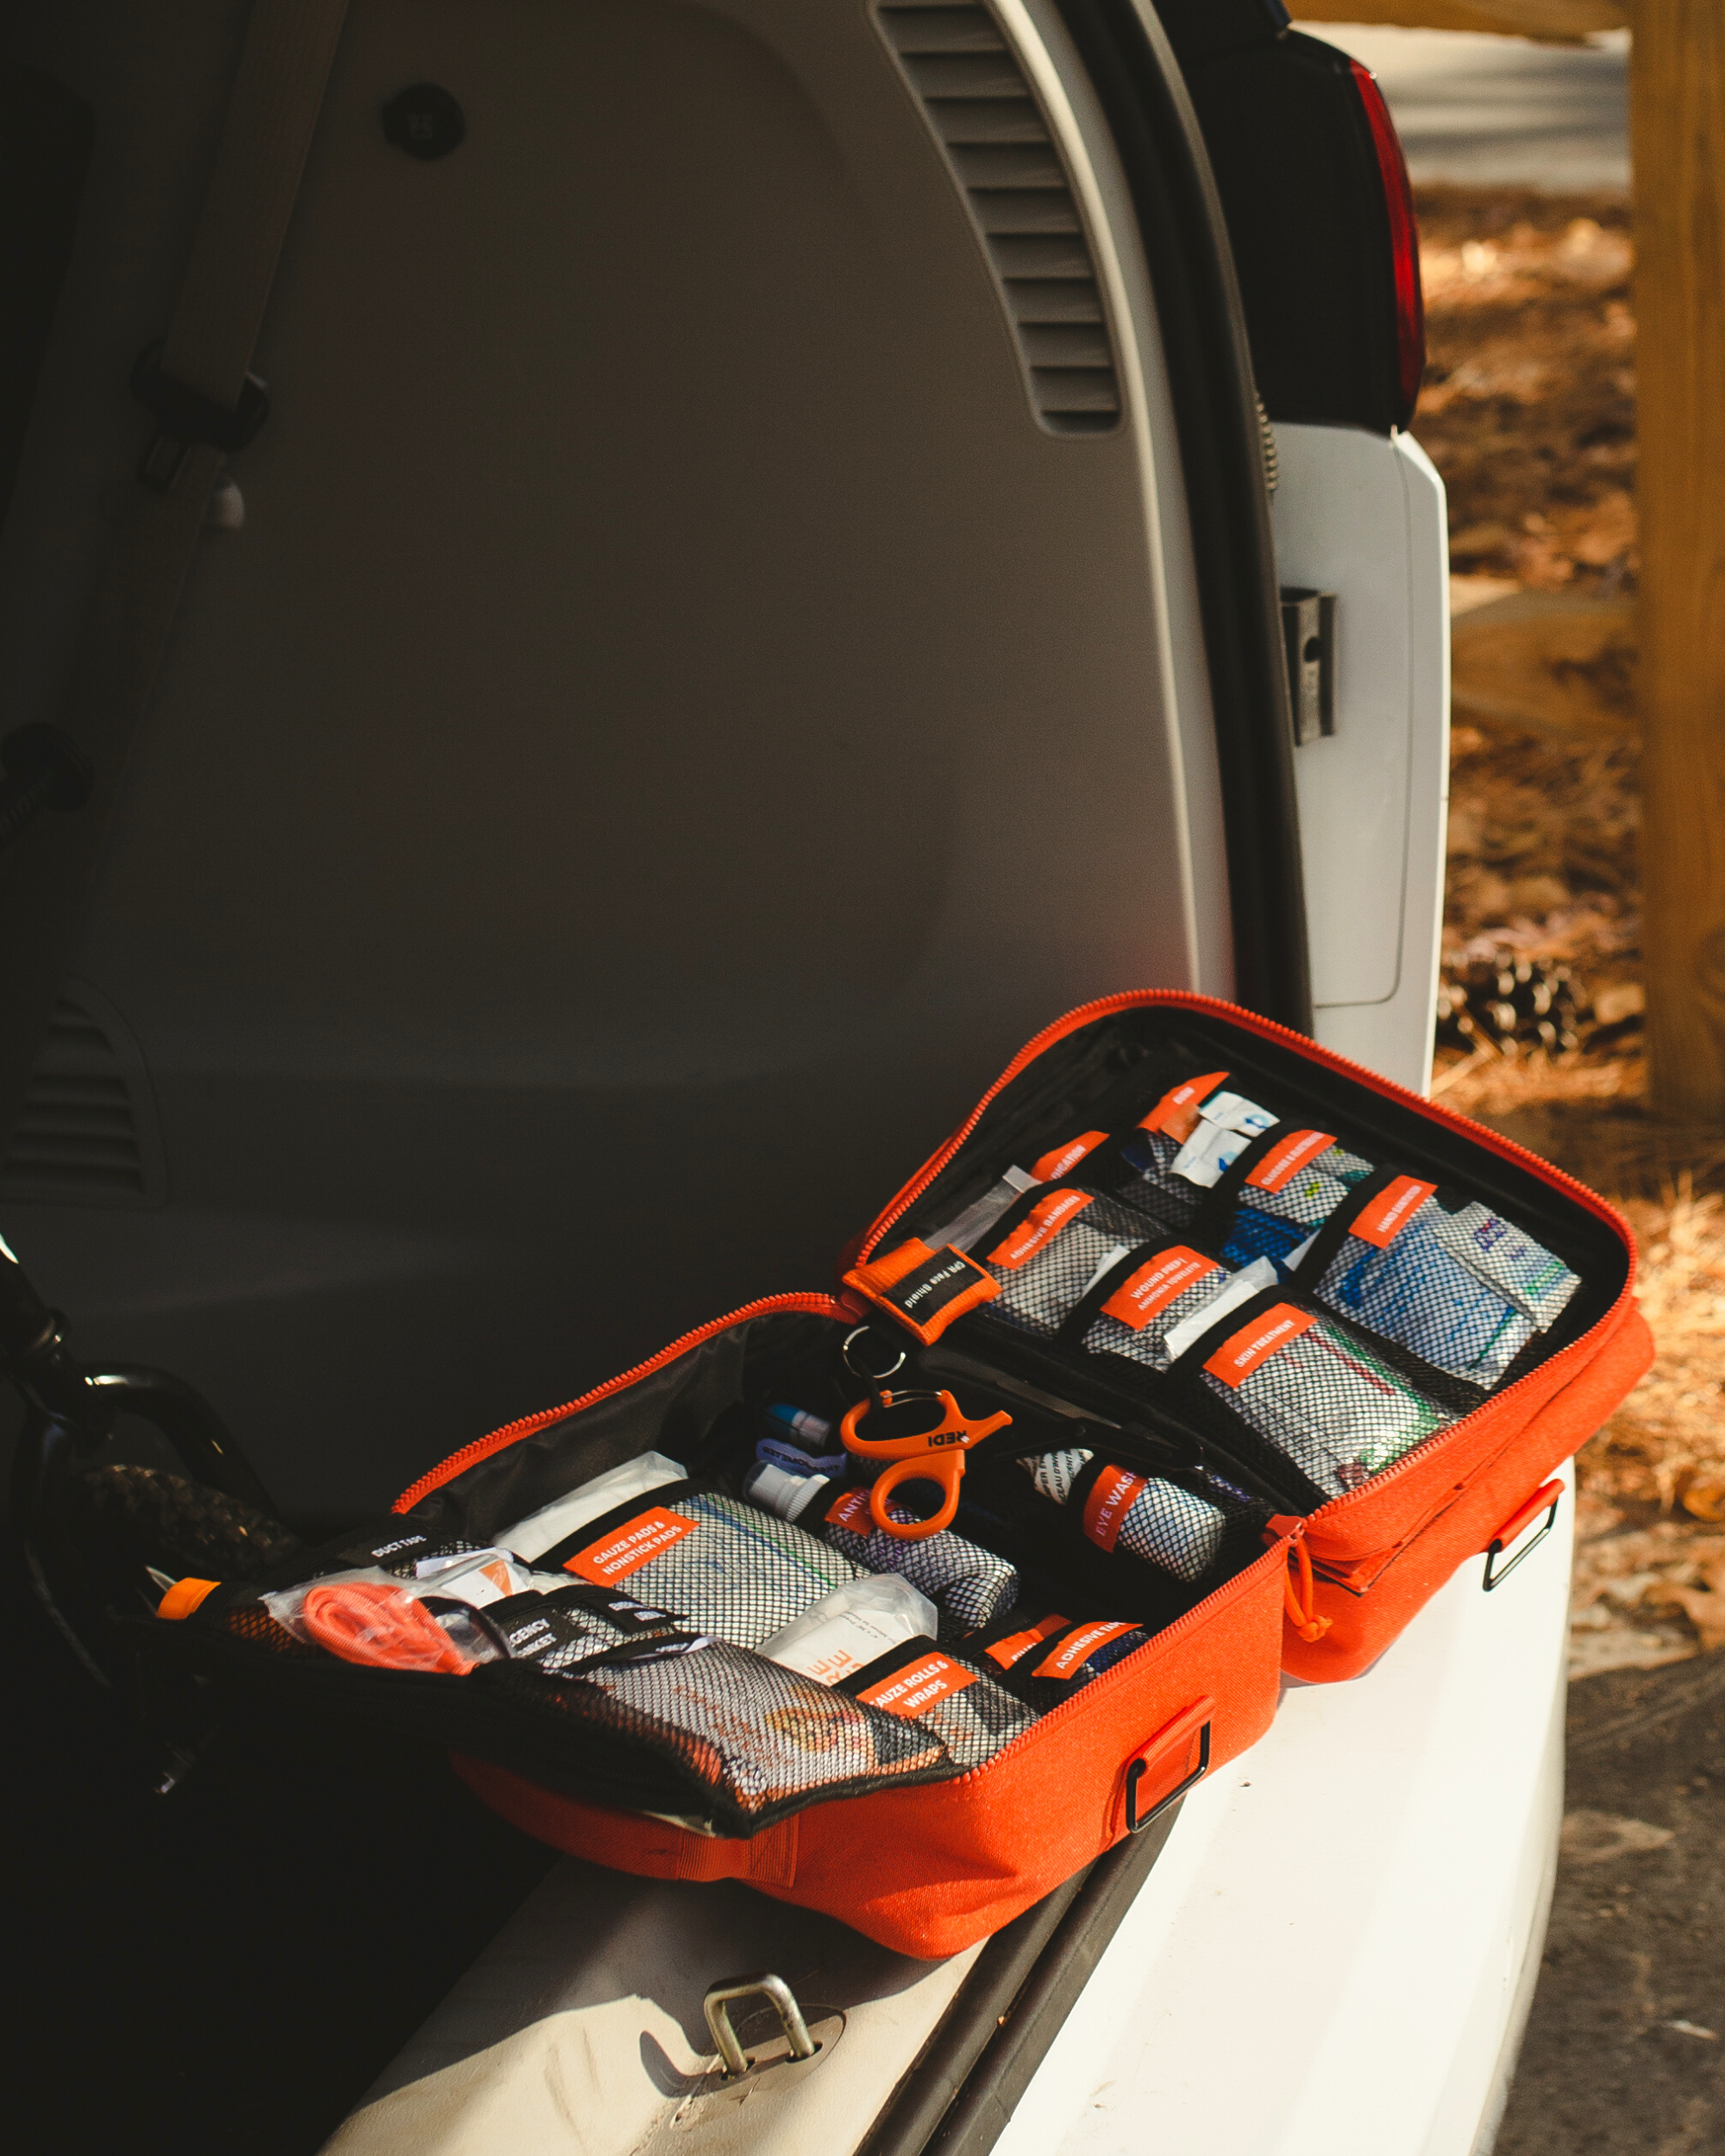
(1302,1606)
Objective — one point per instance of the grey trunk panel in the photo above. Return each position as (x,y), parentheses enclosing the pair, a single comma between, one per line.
(671,724)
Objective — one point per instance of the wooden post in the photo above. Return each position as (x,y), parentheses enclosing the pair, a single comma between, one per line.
(1561,19)
(1677,136)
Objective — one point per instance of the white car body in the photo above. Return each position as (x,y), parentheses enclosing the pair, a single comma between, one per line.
(1337,1948)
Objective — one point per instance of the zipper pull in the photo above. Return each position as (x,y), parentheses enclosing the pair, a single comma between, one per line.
(1302,1611)
(1301,1602)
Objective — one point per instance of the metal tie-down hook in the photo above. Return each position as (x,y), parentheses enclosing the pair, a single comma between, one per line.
(783,2000)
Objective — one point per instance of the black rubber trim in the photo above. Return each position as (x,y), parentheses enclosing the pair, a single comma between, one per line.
(1126,53)
(957,2098)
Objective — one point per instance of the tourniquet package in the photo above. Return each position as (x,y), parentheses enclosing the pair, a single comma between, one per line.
(1195,1356)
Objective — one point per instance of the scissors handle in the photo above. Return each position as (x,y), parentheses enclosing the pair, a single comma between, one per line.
(935,1455)
(947,1473)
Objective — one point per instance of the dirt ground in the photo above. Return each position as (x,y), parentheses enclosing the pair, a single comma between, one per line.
(1625,2051)
(1528,411)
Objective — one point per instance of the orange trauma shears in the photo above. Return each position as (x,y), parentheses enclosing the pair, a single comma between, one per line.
(935,1454)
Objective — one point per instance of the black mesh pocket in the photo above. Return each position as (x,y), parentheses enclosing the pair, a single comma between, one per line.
(1418,1271)
(951,1699)
(1047,1262)
(1149,1186)
(979,1721)
(1148,1518)
(719,1564)
(756,1735)
(1284,1193)
(1148,1306)
(967,1584)
(1313,1389)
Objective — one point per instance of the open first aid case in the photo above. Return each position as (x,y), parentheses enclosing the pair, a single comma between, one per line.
(1196,1354)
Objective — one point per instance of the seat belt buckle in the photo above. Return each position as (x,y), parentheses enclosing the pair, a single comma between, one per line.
(184,416)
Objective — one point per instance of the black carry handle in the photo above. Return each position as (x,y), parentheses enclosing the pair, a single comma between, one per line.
(1136,1822)
(1547,1499)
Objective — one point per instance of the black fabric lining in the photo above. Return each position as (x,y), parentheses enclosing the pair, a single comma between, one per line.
(1066,1100)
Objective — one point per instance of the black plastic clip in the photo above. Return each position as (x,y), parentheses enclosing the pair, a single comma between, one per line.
(1139,1768)
(185,415)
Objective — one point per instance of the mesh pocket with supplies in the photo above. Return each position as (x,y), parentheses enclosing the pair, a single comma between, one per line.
(1317,1393)
(721,1565)
(1046,1263)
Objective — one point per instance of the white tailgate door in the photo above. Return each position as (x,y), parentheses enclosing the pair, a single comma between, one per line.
(1361,515)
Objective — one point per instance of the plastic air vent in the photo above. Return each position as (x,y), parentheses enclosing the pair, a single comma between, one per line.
(978,103)
(87,1134)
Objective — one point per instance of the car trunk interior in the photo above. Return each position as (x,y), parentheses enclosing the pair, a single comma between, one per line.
(703,658)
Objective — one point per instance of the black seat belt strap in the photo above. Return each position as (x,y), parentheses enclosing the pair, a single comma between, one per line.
(197,385)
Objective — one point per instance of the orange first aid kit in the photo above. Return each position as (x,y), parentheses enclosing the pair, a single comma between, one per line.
(1196,1354)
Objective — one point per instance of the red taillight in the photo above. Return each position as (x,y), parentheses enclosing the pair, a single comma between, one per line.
(1404,241)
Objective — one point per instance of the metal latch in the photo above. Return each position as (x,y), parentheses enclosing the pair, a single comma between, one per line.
(778,1994)
(1308,638)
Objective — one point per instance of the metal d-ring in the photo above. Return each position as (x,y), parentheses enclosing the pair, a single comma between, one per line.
(783,2001)
(872,1379)
(869,1377)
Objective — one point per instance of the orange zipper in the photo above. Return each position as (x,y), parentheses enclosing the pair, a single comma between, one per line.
(482,1448)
